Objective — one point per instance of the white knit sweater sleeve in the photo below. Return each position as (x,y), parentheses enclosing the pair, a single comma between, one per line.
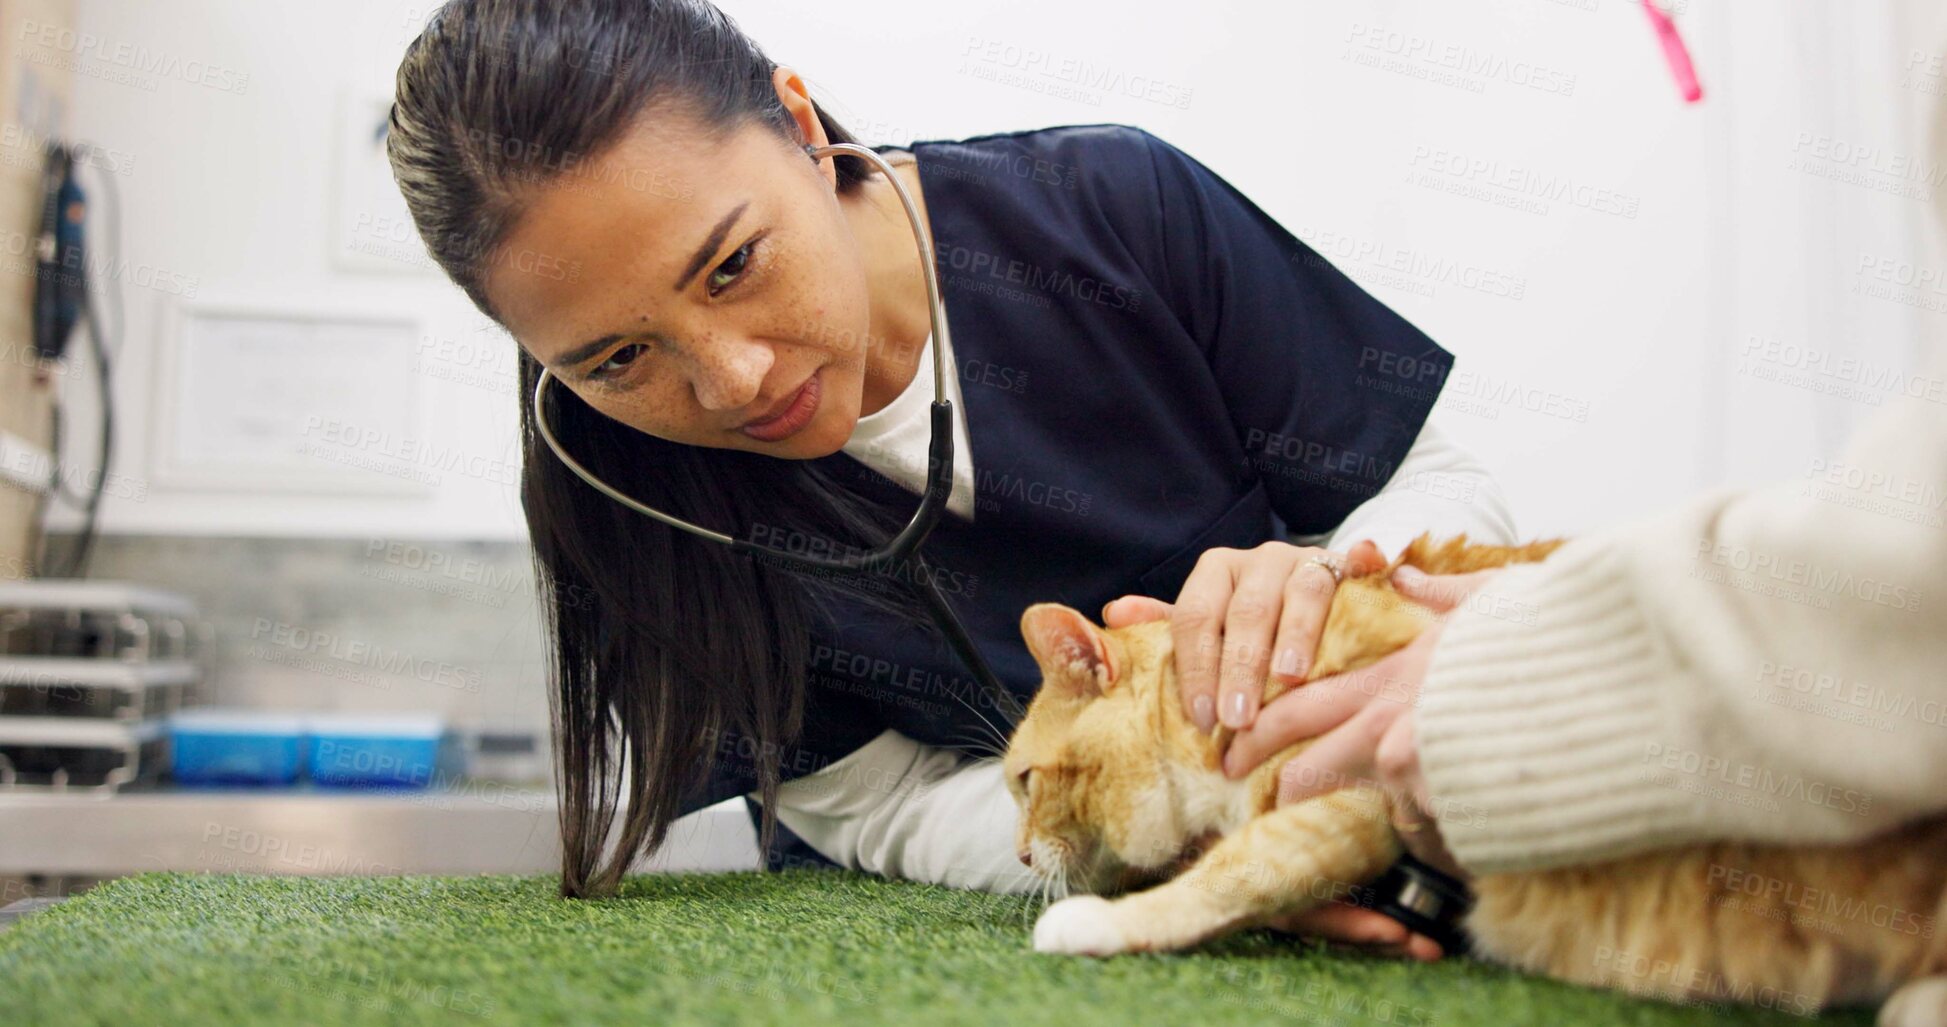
(898,808)
(1766,664)
(1439,487)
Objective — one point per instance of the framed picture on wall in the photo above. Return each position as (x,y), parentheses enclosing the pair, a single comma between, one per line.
(255,395)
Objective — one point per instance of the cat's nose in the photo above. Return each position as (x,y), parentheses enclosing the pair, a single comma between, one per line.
(1027,858)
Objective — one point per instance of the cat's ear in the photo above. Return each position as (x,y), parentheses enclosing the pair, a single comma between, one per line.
(1072,651)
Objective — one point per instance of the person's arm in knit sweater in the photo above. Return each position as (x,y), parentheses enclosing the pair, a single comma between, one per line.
(1767,664)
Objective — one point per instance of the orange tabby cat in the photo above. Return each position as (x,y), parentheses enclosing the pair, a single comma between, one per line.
(1118,789)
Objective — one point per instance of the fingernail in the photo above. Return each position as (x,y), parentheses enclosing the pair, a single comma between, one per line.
(1235,713)
(1411,577)
(1230,764)
(1288,663)
(1203,712)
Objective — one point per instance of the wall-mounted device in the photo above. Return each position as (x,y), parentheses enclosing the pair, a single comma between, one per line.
(60,257)
(61,302)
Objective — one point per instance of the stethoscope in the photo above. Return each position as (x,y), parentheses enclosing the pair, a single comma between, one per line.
(1419,896)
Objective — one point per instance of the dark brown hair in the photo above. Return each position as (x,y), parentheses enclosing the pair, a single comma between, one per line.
(659,641)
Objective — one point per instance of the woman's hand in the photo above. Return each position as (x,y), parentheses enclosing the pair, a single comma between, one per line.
(1363,720)
(1236,609)
(1217,575)
(1364,723)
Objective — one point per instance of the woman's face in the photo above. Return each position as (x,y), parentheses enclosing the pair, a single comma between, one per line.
(686,287)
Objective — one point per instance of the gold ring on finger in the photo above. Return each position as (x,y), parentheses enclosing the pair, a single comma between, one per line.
(1332,567)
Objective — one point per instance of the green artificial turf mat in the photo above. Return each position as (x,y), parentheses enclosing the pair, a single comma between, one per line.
(798,948)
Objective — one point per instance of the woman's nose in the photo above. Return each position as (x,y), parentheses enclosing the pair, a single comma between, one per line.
(728,374)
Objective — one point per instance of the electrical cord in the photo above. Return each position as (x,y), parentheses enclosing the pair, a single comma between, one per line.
(84,543)
(76,563)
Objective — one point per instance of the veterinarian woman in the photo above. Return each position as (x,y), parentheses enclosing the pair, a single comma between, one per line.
(1146,369)
(1758,664)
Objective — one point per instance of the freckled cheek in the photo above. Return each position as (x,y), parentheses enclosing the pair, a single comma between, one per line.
(823,298)
(643,417)
(662,406)
(806,304)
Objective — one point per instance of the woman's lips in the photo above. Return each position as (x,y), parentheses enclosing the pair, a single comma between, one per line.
(794,417)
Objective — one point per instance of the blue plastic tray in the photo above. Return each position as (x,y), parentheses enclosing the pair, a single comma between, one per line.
(375,751)
(235,747)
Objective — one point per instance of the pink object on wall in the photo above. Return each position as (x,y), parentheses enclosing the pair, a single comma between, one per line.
(1675,52)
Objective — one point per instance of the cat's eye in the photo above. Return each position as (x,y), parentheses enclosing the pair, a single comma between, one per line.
(1023,778)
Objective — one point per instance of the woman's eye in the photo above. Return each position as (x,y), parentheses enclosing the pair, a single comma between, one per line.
(632,350)
(735,265)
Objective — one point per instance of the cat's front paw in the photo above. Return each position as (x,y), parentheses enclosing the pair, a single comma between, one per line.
(1081,925)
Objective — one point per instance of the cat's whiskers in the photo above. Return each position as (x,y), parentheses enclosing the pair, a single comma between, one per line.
(1000,737)
(1036,902)
(984,746)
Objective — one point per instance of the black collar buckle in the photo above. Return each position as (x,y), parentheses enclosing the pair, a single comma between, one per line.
(1427,900)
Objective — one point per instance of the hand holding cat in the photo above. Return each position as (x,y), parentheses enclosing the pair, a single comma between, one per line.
(1359,739)
(1311,586)
(1236,609)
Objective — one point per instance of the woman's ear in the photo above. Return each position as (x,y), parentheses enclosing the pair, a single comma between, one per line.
(1073,653)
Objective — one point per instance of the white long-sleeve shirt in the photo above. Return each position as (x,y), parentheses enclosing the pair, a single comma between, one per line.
(1764,663)
(899,808)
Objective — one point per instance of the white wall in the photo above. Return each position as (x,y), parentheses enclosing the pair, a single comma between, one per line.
(1610,385)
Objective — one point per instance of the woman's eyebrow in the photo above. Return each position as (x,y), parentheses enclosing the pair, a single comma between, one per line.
(704,252)
(710,245)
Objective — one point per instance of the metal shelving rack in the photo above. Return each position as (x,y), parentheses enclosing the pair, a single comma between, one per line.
(89,673)
(97,667)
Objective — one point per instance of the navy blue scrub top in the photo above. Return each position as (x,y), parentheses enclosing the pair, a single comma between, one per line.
(1151,367)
